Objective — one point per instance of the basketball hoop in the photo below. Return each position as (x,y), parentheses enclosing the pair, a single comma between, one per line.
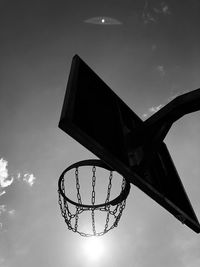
(72,210)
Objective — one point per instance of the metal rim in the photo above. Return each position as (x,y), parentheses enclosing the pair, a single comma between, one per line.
(93,162)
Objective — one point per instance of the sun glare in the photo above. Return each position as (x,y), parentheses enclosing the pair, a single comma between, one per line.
(94,248)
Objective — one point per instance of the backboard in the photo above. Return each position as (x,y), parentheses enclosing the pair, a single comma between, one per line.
(99,120)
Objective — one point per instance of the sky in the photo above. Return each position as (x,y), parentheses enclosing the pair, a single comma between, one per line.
(148,53)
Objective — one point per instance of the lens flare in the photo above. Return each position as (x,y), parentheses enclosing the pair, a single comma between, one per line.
(94,248)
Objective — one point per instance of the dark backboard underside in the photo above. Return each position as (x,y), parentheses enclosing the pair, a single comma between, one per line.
(98,119)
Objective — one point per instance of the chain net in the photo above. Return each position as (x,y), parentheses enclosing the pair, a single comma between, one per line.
(72,212)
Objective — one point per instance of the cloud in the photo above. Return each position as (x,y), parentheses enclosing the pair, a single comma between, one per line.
(147,16)
(172,97)
(29,179)
(4,182)
(152,110)
(151,14)
(11,212)
(145,115)
(103,21)
(165,9)
(161,70)
(2,209)
(155,109)
(2,193)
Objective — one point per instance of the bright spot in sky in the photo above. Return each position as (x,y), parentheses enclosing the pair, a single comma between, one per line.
(103,21)
(94,248)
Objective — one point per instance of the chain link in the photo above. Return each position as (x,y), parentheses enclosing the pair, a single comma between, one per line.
(93,184)
(107,200)
(93,223)
(109,187)
(78,186)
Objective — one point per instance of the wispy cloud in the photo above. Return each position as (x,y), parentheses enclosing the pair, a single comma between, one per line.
(151,111)
(172,97)
(29,179)
(165,9)
(5,211)
(145,115)
(147,15)
(151,14)
(155,109)
(11,212)
(2,193)
(103,21)
(2,208)
(148,18)
(161,70)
